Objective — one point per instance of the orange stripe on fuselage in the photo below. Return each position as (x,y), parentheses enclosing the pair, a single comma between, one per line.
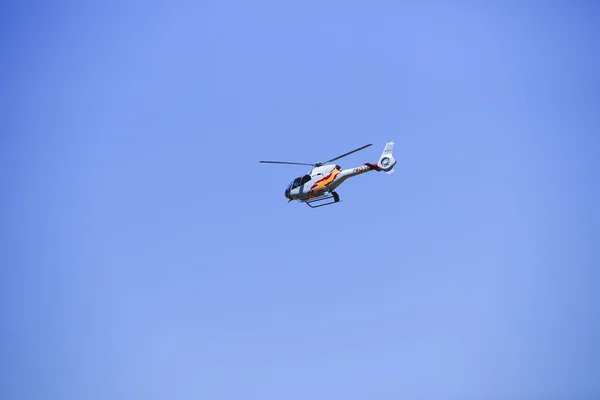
(325,181)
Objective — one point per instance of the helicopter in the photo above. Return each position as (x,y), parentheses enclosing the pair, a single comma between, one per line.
(317,187)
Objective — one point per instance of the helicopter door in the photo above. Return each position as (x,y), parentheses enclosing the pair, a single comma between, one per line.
(305,179)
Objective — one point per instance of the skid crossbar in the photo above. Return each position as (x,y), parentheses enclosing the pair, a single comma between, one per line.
(333,195)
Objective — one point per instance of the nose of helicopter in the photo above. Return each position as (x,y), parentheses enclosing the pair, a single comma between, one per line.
(287,193)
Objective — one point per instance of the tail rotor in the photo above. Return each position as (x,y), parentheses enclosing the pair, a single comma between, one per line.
(386,160)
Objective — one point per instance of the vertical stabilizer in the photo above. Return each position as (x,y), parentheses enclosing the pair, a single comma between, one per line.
(387,161)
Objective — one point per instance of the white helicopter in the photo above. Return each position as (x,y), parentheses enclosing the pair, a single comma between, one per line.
(318,185)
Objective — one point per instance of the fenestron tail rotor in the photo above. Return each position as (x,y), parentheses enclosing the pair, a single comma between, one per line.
(317,164)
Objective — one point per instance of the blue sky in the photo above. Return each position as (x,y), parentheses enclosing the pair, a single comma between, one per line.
(147,253)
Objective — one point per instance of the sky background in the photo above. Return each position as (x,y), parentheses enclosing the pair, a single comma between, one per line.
(146,254)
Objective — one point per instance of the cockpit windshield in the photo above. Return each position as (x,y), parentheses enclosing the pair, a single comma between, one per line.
(299,181)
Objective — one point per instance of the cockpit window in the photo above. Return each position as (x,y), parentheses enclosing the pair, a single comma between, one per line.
(300,181)
(297,182)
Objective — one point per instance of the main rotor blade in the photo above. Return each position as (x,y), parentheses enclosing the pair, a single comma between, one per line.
(285,162)
(350,152)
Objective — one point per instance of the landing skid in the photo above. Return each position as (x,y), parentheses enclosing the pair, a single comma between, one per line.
(333,195)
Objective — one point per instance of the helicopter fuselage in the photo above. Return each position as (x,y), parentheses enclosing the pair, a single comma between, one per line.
(322,180)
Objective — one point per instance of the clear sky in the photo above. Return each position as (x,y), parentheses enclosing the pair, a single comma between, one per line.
(146,254)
